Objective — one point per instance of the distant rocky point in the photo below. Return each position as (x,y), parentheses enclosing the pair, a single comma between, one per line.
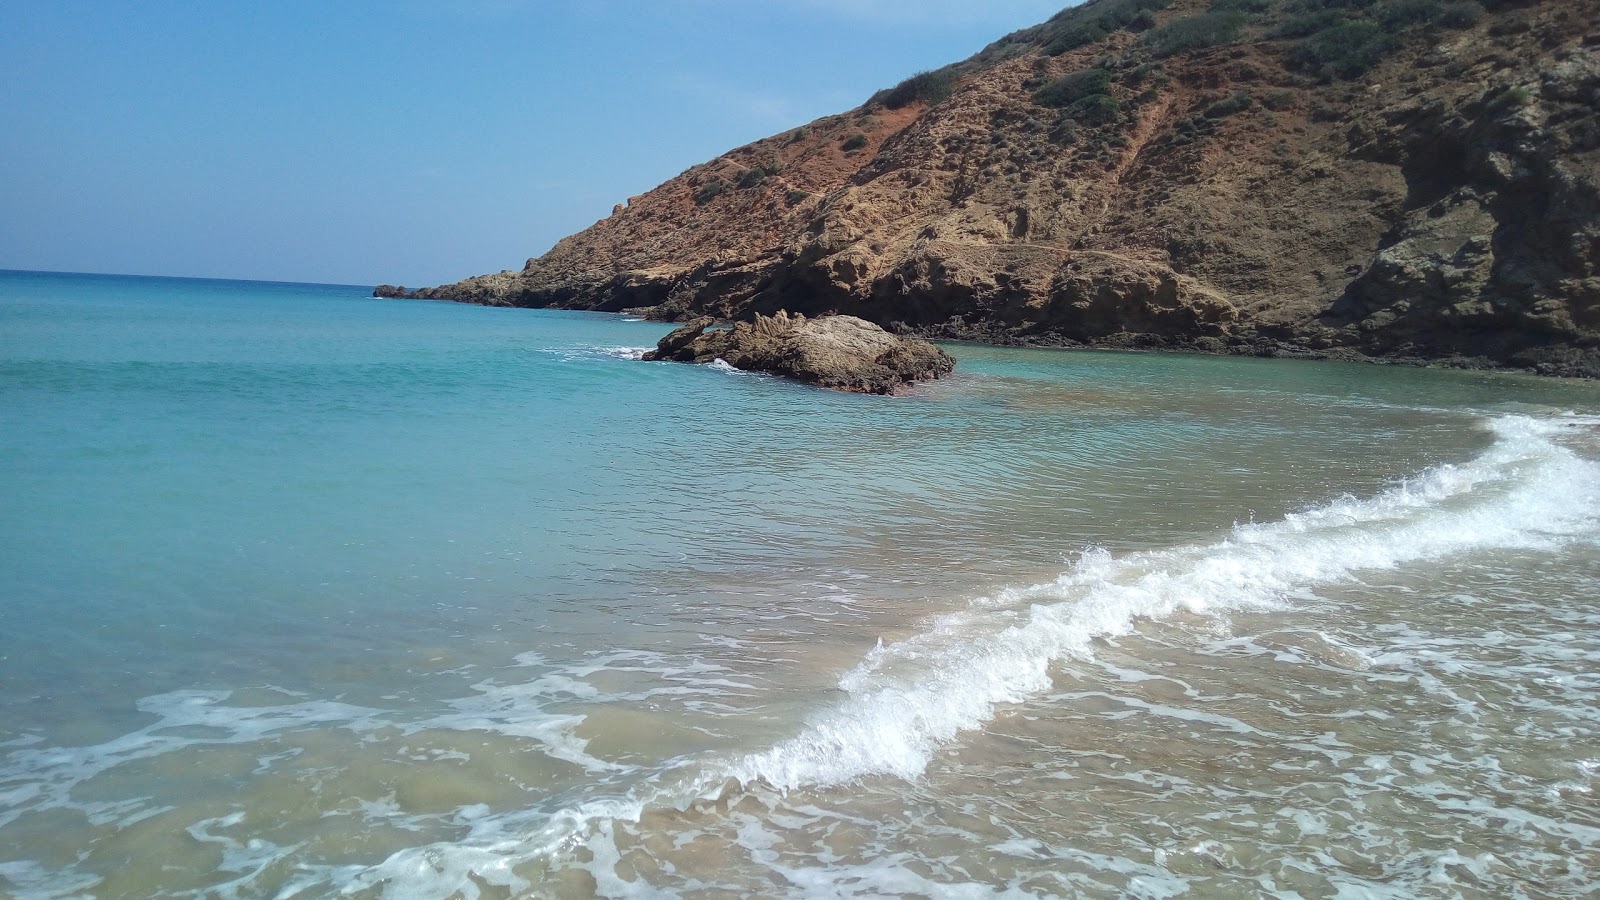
(839,352)
(1392,179)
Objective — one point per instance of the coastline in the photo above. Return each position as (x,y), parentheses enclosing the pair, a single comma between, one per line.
(1438,204)
(323,595)
(1258,346)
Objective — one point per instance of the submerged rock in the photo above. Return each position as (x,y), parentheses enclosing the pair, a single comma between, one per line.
(839,352)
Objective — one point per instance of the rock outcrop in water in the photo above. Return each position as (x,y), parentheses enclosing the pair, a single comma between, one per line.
(1403,179)
(839,352)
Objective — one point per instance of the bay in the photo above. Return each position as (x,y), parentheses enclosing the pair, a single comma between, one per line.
(306,593)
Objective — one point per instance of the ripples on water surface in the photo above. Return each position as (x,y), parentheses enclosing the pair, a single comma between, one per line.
(308,594)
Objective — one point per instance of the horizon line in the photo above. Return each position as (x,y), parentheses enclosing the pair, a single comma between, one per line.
(10,271)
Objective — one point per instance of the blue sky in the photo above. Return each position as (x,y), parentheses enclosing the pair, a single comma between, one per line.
(408,141)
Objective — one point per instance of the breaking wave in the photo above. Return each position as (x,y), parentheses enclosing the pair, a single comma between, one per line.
(906,700)
(1529,490)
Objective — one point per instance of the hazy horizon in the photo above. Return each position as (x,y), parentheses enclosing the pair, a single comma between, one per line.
(416,142)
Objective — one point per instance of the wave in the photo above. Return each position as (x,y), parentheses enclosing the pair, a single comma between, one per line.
(908,699)
(904,701)
(722,365)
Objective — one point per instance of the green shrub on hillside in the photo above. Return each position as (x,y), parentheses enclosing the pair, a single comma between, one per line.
(1349,24)
(1397,14)
(1077,26)
(1237,103)
(1278,101)
(1136,75)
(709,191)
(1069,89)
(754,175)
(796,197)
(1076,36)
(1244,6)
(1348,51)
(1344,51)
(1099,109)
(853,142)
(1307,24)
(1461,15)
(1197,32)
(1065,133)
(1510,98)
(927,87)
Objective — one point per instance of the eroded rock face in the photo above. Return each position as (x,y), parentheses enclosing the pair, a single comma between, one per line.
(1444,205)
(839,352)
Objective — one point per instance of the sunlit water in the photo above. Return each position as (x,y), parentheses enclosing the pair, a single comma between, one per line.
(304,593)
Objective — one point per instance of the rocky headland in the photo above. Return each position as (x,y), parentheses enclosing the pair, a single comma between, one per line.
(1391,179)
(844,353)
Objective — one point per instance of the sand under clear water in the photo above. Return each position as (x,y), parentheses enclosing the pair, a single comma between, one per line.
(307,594)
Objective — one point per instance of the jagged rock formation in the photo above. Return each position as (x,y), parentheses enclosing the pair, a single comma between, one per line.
(1413,179)
(839,352)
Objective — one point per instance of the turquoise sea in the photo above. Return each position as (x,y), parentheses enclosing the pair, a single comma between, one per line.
(309,594)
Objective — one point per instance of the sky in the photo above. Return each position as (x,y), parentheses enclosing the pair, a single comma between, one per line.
(410,142)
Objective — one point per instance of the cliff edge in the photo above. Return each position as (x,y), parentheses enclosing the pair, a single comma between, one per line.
(1403,179)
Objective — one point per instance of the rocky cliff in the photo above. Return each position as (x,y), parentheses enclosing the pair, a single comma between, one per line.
(1414,179)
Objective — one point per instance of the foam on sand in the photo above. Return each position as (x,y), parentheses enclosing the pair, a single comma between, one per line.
(906,700)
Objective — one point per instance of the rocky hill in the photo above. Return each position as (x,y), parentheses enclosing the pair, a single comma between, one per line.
(1405,179)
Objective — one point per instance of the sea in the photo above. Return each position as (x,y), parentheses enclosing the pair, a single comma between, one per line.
(309,594)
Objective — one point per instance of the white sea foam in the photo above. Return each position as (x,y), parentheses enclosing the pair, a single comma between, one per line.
(515,710)
(33,881)
(44,777)
(905,700)
(581,354)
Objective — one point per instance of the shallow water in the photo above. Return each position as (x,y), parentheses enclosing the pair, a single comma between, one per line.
(304,593)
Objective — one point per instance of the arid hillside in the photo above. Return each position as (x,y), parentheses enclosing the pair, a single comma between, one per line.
(1414,179)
